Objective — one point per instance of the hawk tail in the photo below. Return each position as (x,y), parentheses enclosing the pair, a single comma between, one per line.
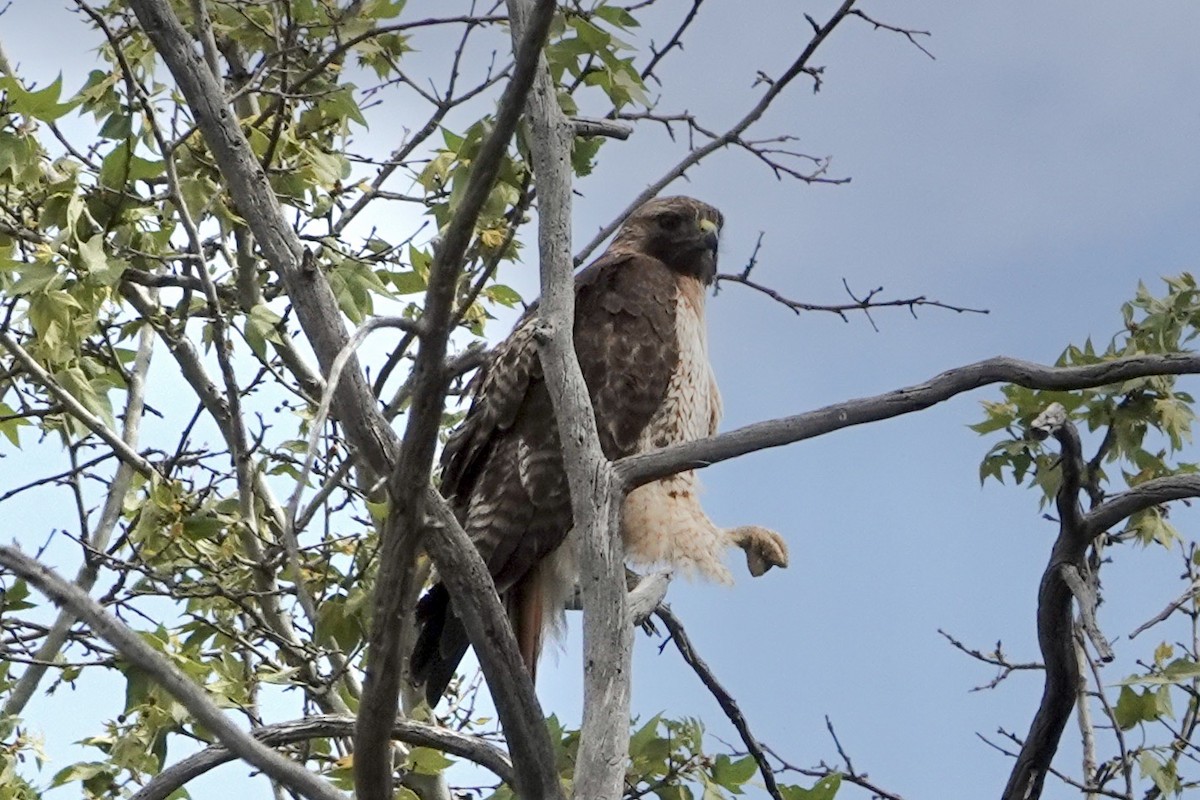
(441,644)
(442,639)
(526,614)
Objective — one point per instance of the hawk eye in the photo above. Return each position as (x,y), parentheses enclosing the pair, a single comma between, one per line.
(670,222)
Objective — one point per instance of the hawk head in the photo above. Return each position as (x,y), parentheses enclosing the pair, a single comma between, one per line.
(679,231)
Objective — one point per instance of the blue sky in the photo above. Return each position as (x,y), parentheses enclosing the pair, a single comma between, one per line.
(1039,167)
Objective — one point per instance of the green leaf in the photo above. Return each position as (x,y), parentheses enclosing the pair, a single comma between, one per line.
(1180,670)
(13,597)
(594,37)
(20,157)
(674,791)
(998,416)
(504,295)
(644,735)
(1162,773)
(824,789)
(11,424)
(1134,707)
(408,282)
(1162,702)
(262,326)
(615,16)
(427,761)
(583,155)
(453,141)
(378,511)
(36,277)
(340,105)
(1151,526)
(121,166)
(203,526)
(82,771)
(94,262)
(282,676)
(733,774)
(118,125)
(77,384)
(42,104)
(326,169)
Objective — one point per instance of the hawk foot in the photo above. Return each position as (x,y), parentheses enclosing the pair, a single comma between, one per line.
(764,548)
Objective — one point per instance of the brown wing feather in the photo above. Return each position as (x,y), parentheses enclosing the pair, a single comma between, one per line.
(498,391)
(626,342)
(502,469)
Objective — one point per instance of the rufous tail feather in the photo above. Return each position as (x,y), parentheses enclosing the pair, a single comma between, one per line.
(526,620)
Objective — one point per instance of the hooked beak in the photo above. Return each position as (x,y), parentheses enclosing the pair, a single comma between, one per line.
(711,234)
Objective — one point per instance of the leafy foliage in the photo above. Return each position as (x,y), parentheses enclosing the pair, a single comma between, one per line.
(1140,430)
(121,245)
(1144,424)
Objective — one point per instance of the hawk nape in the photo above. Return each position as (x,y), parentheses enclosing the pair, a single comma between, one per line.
(641,341)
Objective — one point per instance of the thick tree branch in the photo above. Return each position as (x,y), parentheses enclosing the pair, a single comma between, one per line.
(1055,621)
(636,470)
(165,674)
(328,726)
(648,593)
(478,606)
(595,504)
(609,129)
(397,588)
(1087,602)
(1145,495)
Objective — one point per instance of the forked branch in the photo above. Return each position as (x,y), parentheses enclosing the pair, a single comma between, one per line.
(733,136)
(325,726)
(1066,576)
(132,648)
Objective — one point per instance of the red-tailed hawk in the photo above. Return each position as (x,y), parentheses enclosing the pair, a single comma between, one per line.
(642,345)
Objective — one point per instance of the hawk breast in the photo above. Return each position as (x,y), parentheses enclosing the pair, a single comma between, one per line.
(662,521)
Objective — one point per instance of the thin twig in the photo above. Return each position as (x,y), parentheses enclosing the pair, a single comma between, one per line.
(194,698)
(1161,616)
(676,41)
(317,426)
(996,658)
(864,303)
(776,85)
(724,699)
